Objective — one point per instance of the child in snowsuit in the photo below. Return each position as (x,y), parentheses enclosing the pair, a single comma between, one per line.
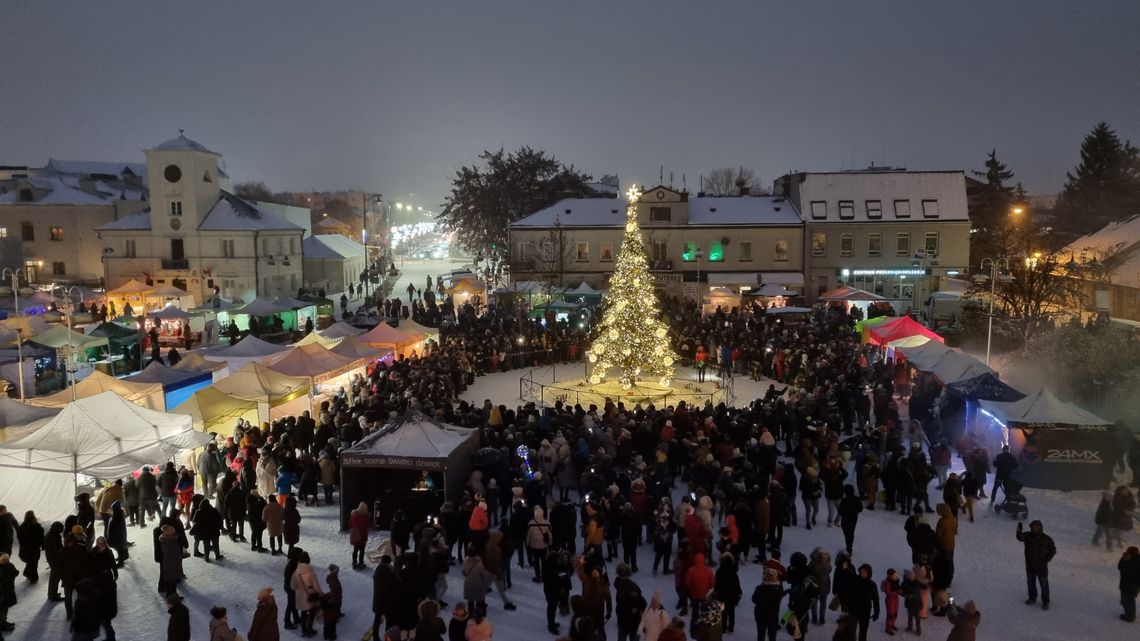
(890,588)
(911,592)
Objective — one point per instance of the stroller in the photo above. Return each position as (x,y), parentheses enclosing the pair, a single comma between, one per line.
(1014,503)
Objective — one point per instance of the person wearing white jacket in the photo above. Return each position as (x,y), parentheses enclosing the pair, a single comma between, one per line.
(538,538)
(654,620)
(308,590)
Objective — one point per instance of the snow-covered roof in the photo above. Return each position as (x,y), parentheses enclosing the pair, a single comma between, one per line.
(231,213)
(703,211)
(1117,241)
(138,221)
(331,246)
(96,168)
(54,191)
(184,144)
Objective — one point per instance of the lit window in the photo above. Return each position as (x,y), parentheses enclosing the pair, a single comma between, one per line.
(846,209)
(716,253)
(847,244)
(874,209)
(819,243)
(606,253)
(583,252)
(930,208)
(690,252)
(931,243)
(902,209)
(819,209)
(780,252)
(3,232)
(902,244)
(874,244)
(746,251)
(56,233)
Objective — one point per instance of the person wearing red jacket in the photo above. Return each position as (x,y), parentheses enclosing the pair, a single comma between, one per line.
(696,535)
(479,525)
(699,582)
(359,525)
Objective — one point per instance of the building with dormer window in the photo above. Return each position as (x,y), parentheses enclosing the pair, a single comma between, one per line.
(199,237)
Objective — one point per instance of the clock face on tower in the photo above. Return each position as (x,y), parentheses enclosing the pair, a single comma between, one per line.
(172,173)
(175,224)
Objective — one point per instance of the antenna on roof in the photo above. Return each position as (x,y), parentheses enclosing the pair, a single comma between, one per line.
(670,180)
(661,174)
(684,185)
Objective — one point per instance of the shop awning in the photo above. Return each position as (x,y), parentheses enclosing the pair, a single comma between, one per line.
(902,328)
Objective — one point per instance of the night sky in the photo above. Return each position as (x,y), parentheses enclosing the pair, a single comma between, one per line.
(392,97)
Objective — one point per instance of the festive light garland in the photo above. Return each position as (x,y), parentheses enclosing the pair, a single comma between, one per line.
(632,338)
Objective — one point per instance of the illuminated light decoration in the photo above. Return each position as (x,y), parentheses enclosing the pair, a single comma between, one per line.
(631,338)
(524,454)
(716,253)
(916,271)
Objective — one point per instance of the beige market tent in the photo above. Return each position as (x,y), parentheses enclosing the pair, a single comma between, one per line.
(384,335)
(148,395)
(195,362)
(316,364)
(132,292)
(316,338)
(269,389)
(353,347)
(17,419)
(214,411)
(59,337)
(424,332)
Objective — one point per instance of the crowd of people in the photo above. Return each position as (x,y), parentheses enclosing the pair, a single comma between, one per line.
(705,492)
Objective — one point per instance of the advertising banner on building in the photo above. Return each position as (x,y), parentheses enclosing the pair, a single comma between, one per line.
(1064,457)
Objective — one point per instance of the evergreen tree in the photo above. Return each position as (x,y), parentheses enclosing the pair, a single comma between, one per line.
(990,206)
(632,337)
(1104,187)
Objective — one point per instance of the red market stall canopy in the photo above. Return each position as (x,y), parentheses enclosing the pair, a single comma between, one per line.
(1058,445)
(848,294)
(902,331)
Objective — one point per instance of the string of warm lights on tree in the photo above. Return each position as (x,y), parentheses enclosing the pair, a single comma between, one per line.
(632,339)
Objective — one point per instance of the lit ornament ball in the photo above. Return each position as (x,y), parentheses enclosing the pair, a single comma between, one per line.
(660,332)
(593,357)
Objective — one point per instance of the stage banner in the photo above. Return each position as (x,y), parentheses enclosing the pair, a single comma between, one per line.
(1065,457)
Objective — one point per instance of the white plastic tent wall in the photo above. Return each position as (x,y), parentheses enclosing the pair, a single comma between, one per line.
(104,436)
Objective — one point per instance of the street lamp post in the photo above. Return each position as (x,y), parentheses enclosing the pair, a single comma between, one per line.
(994,265)
(14,275)
(70,348)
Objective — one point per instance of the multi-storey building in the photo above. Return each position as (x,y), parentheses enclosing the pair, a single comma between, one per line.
(897,233)
(693,243)
(47,214)
(198,236)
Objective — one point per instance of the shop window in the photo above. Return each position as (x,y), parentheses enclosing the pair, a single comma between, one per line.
(847,244)
(818,243)
(902,244)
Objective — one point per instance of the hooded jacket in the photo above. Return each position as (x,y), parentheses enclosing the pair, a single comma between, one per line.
(947,528)
(537,529)
(699,579)
(476,579)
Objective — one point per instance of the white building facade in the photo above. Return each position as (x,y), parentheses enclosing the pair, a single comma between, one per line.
(198,236)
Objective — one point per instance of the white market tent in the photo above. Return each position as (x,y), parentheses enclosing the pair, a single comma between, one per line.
(260,307)
(148,395)
(316,338)
(353,347)
(384,335)
(17,419)
(316,363)
(170,312)
(1042,407)
(269,389)
(424,332)
(250,349)
(341,329)
(104,436)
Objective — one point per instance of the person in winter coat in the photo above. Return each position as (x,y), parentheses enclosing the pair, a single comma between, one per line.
(384,589)
(457,627)
(254,510)
(87,619)
(664,528)
(766,600)
(73,567)
(699,582)
(8,574)
(728,589)
(477,580)
(946,530)
(911,591)
(849,509)
(291,523)
(208,527)
(235,508)
(631,525)
(264,624)
(675,631)
(629,604)
(802,591)
(597,602)
(479,628)
(819,564)
(274,516)
(1129,567)
(965,621)
(220,629)
(359,526)
(478,525)
(307,588)
(117,533)
(1039,551)
(891,587)
(1123,504)
(864,601)
(85,516)
(178,627)
(654,620)
(556,585)
(538,539)
(843,580)
(1103,521)
(169,556)
(430,626)
(167,482)
(970,488)
(30,535)
(148,496)
(53,544)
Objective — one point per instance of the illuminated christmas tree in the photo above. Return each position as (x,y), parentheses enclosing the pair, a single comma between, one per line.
(632,339)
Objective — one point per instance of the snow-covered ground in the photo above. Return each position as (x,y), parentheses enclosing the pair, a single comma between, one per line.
(989,570)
